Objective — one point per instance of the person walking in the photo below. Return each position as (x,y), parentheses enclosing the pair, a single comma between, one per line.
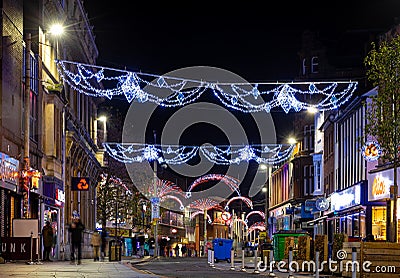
(103,245)
(184,250)
(47,234)
(76,228)
(95,242)
(176,250)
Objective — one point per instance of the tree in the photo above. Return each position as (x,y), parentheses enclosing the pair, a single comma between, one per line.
(383,122)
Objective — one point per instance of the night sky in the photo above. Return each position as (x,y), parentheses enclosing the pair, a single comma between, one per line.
(258,41)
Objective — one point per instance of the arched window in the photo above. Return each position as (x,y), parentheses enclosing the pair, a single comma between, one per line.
(314,64)
(304,66)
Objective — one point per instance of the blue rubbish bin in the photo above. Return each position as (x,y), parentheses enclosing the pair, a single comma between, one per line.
(222,249)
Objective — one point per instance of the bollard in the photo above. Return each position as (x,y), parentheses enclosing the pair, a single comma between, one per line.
(317,264)
(243,268)
(290,262)
(354,259)
(256,260)
(232,259)
(271,259)
(212,259)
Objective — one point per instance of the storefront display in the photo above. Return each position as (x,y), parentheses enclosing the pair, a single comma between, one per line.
(349,211)
(379,184)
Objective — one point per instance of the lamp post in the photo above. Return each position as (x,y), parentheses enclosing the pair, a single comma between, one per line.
(205,232)
(155,202)
(266,191)
(27,112)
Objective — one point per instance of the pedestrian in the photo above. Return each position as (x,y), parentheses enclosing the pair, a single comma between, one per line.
(76,228)
(96,242)
(184,249)
(176,250)
(47,234)
(103,245)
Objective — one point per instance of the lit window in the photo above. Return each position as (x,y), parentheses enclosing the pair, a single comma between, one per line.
(314,64)
(304,66)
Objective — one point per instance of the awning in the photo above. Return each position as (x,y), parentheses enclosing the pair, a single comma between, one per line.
(312,222)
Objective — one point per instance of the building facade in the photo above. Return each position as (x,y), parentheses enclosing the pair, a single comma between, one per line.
(62,122)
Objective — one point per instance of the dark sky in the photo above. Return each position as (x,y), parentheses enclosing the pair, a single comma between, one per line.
(257,40)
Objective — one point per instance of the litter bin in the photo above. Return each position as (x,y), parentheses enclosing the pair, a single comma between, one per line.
(114,252)
(279,242)
(222,249)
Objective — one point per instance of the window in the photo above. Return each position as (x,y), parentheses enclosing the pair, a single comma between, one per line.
(314,64)
(304,66)
(308,139)
(318,175)
(33,95)
(305,180)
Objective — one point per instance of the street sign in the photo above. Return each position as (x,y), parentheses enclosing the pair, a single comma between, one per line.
(155,208)
(262,235)
(322,204)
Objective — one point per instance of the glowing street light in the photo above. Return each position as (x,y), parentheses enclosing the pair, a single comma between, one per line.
(56,29)
(292,140)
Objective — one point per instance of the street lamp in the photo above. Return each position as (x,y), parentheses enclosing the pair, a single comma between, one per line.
(266,189)
(104,120)
(56,29)
(155,202)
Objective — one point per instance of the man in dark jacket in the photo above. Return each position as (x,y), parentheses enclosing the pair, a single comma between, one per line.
(47,234)
(76,228)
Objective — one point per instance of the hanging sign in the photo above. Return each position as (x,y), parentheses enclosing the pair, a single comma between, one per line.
(322,204)
(80,183)
(371,151)
(155,208)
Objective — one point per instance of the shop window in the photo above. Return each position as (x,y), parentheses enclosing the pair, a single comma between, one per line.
(379,223)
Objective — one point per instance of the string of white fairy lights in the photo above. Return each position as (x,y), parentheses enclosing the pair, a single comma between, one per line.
(221,155)
(108,82)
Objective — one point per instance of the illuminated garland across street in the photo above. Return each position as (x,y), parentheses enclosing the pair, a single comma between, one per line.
(175,91)
(222,155)
(231,182)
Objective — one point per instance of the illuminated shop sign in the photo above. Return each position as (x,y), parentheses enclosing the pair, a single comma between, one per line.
(347,198)
(379,184)
(8,169)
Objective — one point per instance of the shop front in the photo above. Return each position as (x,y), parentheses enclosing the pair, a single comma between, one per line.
(280,219)
(348,211)
(10,199)
(378,195)
(51,207)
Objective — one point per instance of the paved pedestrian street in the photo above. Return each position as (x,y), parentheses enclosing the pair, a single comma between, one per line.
(88,269)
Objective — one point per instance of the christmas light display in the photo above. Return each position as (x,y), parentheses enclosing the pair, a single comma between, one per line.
(197,212)
(232,183)
(203,204)
(92,80)
(222,155)
(165,197)
(165,188)
(245,200)
(260,213)
(256,226)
